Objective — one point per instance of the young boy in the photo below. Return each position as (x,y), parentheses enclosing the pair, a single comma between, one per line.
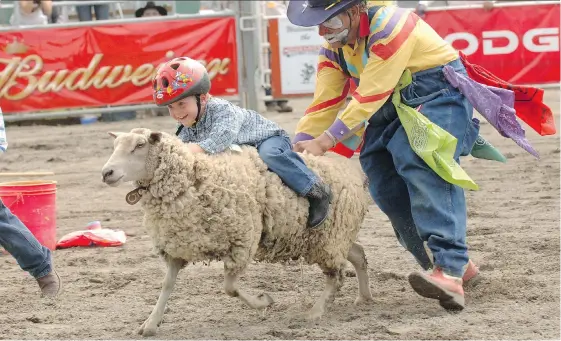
(210,125)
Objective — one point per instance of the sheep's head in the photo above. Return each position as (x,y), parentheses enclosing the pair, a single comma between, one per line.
(129,161)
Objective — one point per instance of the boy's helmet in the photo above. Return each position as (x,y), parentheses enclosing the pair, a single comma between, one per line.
(179,78)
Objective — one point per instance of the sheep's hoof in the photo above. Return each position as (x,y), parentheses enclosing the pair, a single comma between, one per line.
(264,301)
(361,300)
(147,331)
(314,314)
(350,273)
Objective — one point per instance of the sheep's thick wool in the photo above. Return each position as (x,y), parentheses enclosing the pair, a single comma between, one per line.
(229,207)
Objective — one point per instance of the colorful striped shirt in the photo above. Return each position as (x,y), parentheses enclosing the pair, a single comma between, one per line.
(395,40)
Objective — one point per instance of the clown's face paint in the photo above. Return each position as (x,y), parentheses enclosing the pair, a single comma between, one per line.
(337,37)
(334,23)
(334,31)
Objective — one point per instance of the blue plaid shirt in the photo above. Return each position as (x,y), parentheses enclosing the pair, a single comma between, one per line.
(224,124)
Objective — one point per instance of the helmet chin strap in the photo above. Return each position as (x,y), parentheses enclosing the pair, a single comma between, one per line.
(198,99)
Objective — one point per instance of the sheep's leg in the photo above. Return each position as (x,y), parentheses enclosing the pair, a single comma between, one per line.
(333,281)
(256,302)
(150,326)
(358,259)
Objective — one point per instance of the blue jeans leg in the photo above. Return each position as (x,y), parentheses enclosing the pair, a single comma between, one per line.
(84,12)
(437,207)
(388,189)
(101,12)
(276,152)
(16,238)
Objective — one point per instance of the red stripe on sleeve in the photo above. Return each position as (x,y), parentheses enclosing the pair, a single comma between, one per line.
(388,50)
(371,98)
(330,102)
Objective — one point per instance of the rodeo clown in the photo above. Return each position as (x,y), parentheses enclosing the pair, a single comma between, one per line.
(411,116)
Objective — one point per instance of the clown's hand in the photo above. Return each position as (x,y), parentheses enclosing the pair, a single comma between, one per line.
(317,146)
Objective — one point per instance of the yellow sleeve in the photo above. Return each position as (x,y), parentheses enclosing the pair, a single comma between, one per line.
(388,59)
(332,87)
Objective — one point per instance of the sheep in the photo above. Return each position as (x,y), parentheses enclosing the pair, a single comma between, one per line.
(228,207)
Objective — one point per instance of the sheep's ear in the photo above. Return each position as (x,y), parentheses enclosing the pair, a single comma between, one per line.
(155,137)
(113,134)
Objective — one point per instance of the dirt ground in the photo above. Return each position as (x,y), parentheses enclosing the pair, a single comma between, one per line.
(513,235)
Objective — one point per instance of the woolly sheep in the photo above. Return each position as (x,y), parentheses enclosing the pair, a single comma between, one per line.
(229,207)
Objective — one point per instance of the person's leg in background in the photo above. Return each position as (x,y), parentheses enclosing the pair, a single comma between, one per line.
(101,12)
(31,256)
(84,12)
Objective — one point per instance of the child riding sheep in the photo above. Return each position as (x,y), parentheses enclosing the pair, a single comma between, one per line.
(211,125)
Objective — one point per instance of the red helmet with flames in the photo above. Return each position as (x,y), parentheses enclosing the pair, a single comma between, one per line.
(179,78)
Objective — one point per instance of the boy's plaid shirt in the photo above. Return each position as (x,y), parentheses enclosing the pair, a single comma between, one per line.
(224,124)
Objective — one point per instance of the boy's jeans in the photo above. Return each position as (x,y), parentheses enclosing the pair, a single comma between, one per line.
(22,244)
(421,205)
(276,152)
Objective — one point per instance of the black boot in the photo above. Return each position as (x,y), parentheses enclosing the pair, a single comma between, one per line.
(319,197)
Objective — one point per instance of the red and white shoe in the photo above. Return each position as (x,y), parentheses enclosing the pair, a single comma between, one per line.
(471,272)
(437,285)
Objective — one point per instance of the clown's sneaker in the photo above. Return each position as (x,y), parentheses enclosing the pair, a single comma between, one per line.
(446,289)
(471,272)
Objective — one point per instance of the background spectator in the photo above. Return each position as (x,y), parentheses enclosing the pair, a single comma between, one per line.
(151,10)
(32,12)
(58,15)
(85,12)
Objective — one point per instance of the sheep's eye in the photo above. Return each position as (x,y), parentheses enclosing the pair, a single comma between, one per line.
(139,145)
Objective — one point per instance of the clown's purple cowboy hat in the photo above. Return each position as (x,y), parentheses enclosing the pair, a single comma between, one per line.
(308,13)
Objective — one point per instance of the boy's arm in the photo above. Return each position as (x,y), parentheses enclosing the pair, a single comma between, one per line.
(226,125)
(195,148)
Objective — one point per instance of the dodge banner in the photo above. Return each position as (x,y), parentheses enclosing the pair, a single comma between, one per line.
(110,64)
(519,44)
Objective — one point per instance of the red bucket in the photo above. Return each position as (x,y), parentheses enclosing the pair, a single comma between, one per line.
(34,203)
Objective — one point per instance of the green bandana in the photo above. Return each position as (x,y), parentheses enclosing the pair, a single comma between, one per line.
(430,142)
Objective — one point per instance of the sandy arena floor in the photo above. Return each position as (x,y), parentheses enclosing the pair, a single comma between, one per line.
(513,234)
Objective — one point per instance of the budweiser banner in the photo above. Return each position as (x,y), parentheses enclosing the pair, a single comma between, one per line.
(519,44)
(110,64)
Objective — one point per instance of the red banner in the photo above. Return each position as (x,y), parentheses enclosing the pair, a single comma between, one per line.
(110,64)
(519,44)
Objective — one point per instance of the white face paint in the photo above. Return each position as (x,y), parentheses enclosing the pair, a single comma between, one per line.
(334,23)
(337,37)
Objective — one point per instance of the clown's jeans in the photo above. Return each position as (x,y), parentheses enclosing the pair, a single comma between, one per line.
(421,205)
